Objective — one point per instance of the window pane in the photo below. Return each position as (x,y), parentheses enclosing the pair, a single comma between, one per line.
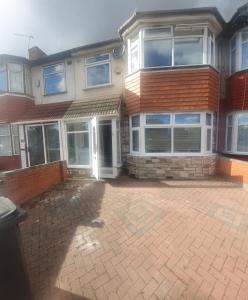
(245,55)
(229,139)
(187,118)
(135,140)
(245,36)
(157,53)
(158,140)
(157,119)
(186,31)
(209,119)
(229,120)
(4,130)
(54,83)
(52,142)
(16,78)
(78,148)
(209,133)
(242,138)
(136,121)
(16,145)
(243,119)
(54,69)
(134,59)
(188,51)
(187,139)
(82,126)
(5,146)
(97,75)
(3,78)
(97,58)
(157,32)
(233,61)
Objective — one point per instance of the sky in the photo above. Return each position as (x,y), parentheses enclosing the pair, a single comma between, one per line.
(58,25)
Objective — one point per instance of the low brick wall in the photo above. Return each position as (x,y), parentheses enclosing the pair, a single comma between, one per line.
(24,184)
(171,167)
(75,172)
(234,169)
(10,163)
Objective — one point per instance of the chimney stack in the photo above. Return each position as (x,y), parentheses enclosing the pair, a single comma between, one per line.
(36,53)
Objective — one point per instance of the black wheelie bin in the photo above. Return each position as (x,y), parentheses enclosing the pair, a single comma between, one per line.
(13,277)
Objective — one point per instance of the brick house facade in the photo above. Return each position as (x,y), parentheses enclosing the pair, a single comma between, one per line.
(161,102)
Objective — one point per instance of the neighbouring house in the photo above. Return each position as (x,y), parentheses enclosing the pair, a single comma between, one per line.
(161,101)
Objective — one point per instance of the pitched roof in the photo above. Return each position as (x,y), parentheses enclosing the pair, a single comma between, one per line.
(108,106)
(45,112)
(176,12)
(71,109)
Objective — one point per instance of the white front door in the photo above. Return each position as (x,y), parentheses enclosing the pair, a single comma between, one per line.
(95,148)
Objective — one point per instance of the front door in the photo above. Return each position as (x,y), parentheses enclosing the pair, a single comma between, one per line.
(35,145)
(105,148)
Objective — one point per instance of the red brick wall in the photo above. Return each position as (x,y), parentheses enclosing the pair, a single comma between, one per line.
(172,90)
(10,162)
(234,169)
(25,184)
(237,92)
(13,106)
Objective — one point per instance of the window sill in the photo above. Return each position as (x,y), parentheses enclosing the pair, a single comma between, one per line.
(236,153)
(54,94)
(172,154)
(79,166)
(97,86)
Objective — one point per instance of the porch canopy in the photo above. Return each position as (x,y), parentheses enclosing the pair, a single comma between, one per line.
(70,110)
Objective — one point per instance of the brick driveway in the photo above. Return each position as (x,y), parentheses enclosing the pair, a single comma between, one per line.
(134,239)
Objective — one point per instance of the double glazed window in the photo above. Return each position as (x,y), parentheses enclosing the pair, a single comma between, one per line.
(98,71)
(237,133)
(54,79)
(171,133)
(11,78)
(239,51)
(78,144)
(171,46)
(9,140)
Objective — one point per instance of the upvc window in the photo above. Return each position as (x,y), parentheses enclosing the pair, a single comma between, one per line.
(54,79)
(15,139)
(15,75)
(3,78)
(78,143)
(239,51)
(98,71)
(51,133)
(171,133)
(237,133)
(171,46)
(135,133)
(5,140)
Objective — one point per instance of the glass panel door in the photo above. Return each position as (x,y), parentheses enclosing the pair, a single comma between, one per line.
(35,145)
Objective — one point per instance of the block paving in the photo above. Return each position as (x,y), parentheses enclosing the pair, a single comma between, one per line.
(138,239)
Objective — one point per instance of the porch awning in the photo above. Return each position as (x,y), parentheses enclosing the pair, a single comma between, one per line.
(89,108)
(70,110)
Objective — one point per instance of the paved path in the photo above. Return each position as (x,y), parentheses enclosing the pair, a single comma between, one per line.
(134,239)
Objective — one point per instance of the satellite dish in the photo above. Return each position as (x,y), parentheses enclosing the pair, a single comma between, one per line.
(118,52)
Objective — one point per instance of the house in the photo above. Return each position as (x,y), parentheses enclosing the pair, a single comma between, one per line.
(160,101)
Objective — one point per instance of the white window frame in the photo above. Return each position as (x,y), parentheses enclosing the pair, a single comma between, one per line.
(9,136)
(131,133)
(44,79)
(44,139)
(235,128)
(89,131)
(172,125)
(103,62)
(206,59)
(13,139)
(22,78)
(211,128)
(239,48)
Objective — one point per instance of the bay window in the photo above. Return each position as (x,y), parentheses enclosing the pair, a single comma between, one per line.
(3,78)
(5,140)
(171,133)
(78,144)
(98,71)
(237,133)
(171,46)
(239,51)
(54,79)
(15,139)
(15,74)
(135,133)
